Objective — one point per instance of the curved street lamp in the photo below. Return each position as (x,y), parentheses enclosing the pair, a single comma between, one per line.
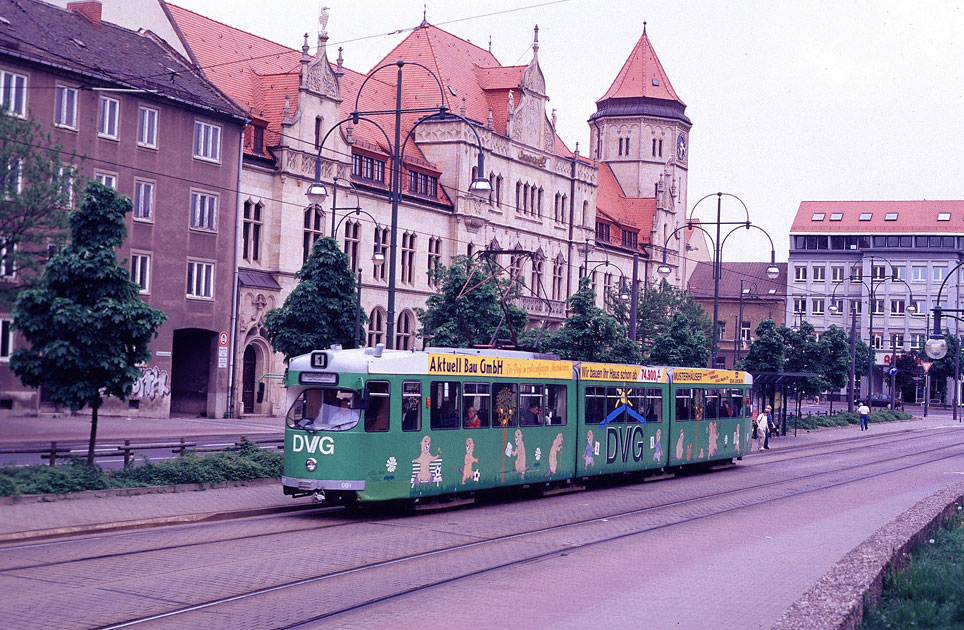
(872,288)
(480,185)
(772,270)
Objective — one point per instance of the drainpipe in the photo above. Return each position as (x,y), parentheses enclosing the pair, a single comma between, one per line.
(232,334)
(572,203)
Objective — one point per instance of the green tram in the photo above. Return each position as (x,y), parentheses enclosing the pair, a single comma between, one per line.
(374,425)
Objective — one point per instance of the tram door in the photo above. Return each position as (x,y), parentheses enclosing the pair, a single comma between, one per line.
(248,378)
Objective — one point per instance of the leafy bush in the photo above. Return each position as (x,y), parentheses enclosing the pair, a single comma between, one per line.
(243,463)
(844,418)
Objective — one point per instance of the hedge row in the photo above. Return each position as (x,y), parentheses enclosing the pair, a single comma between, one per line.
(234,464)
(843,418)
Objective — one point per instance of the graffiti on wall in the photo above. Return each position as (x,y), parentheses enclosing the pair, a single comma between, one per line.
(153,383)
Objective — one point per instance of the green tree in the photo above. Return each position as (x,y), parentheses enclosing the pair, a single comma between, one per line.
(803,354)
(88,330)
(768,352)
(321,309)
(656,324)
(590,334)
(685,343)
(451,321)
(36,186)
(834,350)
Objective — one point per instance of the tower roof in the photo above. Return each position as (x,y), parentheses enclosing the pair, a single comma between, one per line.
(641,87)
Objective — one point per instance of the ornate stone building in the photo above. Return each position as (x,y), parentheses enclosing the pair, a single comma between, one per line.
(559,206)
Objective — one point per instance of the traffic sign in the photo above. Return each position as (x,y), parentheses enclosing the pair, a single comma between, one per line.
(223,339)
(926,365)
(893,370)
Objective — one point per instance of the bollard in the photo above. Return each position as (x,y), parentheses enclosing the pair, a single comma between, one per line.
(127,453)
(53,453)
(183,447)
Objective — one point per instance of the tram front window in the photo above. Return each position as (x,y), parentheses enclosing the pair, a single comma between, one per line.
(325,410)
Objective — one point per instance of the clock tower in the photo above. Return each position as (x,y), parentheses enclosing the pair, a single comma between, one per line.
(641,133)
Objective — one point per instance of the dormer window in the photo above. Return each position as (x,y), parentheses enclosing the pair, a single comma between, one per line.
(817,216)
(836,216)
(367,167)
(655,82)
(943,216)
(890,216)
(866,216)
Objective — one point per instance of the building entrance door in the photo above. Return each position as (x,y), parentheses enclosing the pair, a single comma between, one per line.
(248,379)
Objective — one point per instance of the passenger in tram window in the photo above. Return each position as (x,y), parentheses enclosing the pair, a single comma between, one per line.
(725,411)
(472,420)
(535,413)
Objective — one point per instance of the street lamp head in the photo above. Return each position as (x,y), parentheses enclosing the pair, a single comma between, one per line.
(772,272)
(664,270)
(316,193)
(624,294)
(480,186)
(379,255)
(935,348)
(911,308)
(833,308)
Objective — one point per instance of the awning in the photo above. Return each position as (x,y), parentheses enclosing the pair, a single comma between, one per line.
(258,280)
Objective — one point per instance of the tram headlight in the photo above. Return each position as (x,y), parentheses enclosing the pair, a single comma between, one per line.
(311,464)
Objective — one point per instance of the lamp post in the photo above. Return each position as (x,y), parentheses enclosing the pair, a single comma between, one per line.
(772,270)
(936,345)
(480,185)
(875,283)
(378,257)
(334,197)
(738,340)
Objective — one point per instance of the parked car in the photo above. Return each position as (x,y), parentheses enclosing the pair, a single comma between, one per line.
(881,400)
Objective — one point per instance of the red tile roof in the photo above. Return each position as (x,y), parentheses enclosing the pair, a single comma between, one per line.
(612,202)
(642,76)
(911,217)
(752,273)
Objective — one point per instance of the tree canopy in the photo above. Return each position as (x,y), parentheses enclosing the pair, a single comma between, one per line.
(87,328)
(457,322)
(36,189)
(320,311)
(672,328)
(590,334)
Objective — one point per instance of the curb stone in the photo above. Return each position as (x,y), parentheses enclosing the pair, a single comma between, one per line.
(134,491)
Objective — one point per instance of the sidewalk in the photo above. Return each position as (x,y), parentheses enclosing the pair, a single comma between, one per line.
(35,517)
(21,430)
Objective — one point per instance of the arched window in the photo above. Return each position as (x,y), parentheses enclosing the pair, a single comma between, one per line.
(352,240)
(376,327)
(404,331)
(313,222)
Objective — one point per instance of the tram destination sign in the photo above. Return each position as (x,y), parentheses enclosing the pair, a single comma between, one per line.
(319,360)
(467,365)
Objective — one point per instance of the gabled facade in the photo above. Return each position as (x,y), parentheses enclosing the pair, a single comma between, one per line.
(149,125)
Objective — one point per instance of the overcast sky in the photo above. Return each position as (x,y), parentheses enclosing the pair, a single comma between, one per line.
(790,101)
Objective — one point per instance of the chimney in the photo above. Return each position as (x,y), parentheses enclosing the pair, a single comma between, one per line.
(88,8)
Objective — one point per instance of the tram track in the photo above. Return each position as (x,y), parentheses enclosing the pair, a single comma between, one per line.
(533,540)
(796,454)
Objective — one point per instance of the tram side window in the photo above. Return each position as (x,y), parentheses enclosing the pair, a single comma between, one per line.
(411,406)
(555,405)
(595,405)
(614,400)
(376,416)
(736,395)
(653,405)
(445,405)
(685,404)
(531,404)
(506,405)
(476,400)
(636,397)
(712,409)
(727,410)
(325,410)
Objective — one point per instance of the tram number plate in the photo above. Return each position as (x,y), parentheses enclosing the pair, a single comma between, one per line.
(345,485)
(319,360)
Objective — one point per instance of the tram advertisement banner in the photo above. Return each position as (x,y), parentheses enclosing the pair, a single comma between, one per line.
(711,377)
(468,365)
(610,372)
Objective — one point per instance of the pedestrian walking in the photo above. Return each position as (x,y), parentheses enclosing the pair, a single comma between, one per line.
(763,428)
(864,412)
